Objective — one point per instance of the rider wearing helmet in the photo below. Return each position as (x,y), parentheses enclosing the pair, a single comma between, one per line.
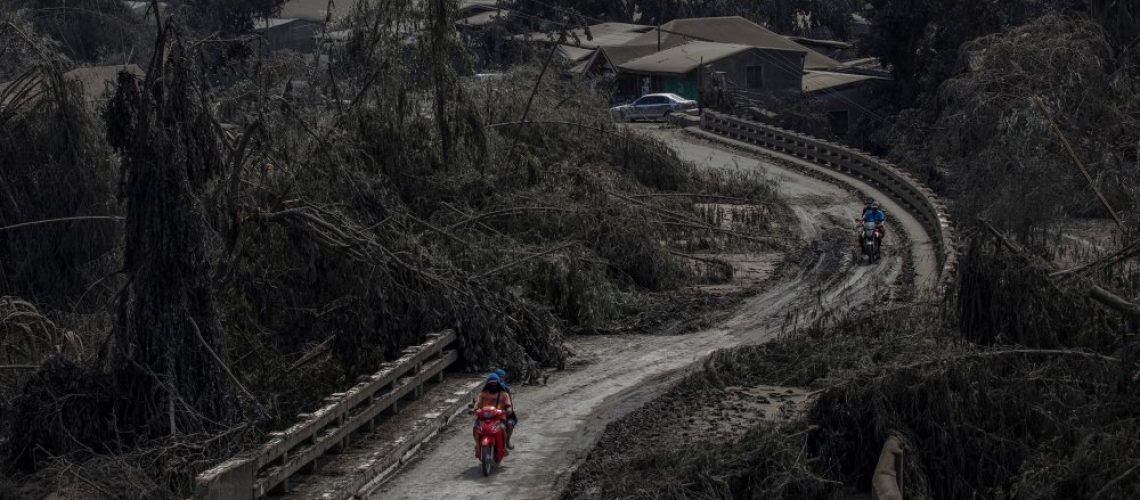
(495,395)
(873,213)
(502,379)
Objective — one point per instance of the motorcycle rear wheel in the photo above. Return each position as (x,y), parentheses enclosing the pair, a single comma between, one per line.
(488,459)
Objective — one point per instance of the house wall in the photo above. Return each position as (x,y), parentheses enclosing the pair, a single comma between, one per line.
(783,74)
(852,101)
(297,36)
(783,71)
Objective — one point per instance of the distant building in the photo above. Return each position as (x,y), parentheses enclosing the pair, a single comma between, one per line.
(317,10)
(581,44)
(732,30)
(843,96)
(744,64)
(774,71)
(296,34)
(476,14)
(607,60)
(840,51)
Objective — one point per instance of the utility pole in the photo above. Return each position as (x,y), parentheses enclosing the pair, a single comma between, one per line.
(495,33)
(660,15)
(701,88)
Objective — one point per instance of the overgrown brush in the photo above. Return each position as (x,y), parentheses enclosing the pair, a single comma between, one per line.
(269,262)
(1010,422)
(987,134)
(976,425)
(1003,298)
(56,167)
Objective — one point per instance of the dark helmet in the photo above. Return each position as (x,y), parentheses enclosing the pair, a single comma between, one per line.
(493,383)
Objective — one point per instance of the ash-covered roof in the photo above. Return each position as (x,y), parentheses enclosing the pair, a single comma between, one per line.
(685,58)
(600,35)
(820,81)
(732,30)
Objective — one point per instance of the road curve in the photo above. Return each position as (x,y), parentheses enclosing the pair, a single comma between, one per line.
(561,421)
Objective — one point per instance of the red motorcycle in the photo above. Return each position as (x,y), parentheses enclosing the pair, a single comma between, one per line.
(489,437)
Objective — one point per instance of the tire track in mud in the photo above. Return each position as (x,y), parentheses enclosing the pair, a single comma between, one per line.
(561,421)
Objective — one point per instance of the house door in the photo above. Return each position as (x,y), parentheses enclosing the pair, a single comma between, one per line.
(840,122)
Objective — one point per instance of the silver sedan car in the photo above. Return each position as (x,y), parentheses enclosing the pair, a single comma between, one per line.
(653,107)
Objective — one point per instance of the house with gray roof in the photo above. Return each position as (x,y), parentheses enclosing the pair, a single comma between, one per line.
(681,69)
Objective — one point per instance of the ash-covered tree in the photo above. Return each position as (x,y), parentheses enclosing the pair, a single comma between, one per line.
(86,30)
(170,343)
(54,166)
(919,39)
(989,130)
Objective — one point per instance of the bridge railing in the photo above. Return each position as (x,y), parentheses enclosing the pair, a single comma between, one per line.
(898,184)
(331,427)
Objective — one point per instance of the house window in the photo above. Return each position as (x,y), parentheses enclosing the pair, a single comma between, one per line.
(754,76)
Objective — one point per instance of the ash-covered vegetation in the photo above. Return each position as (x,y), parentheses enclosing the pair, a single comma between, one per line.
(1005,422)
(225,237)
(1021,379)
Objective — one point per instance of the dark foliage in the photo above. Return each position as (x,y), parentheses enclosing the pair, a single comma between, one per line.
(85,30)
(56,166)
(169,339)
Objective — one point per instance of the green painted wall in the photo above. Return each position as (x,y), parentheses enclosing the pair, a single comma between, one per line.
(684,86)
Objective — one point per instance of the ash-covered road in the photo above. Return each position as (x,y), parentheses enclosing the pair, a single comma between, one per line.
(561,420)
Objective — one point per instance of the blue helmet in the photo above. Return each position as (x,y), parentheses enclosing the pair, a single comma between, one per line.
(493,378)
(501,373)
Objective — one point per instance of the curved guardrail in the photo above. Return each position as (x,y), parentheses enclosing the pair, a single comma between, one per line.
(898,184)
(331,427)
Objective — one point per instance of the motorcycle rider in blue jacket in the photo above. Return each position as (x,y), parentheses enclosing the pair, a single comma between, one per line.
(872,213)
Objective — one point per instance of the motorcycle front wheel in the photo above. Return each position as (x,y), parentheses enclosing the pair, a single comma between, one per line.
(488,459)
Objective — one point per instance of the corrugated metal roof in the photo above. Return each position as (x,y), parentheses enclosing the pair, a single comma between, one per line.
(581,67)
(484,18)
(621,54)
(819,81)
(274,22)
(601,35)
(685,58)
(831,44)
(733,29)
(575,54)
(467,4)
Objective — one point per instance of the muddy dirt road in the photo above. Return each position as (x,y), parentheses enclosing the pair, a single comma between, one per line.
(613,375)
